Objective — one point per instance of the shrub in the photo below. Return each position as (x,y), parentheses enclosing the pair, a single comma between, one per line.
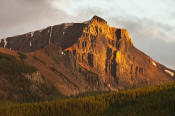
(22,56)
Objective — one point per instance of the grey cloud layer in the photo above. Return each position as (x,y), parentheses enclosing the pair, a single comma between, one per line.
(20,16)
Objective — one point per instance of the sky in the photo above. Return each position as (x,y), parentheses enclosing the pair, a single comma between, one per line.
(151,23)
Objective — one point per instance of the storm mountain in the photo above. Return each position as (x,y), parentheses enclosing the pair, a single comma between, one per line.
(88,56)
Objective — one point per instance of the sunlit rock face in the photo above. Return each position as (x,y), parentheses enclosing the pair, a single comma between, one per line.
(110,53)
(101,49)
(102,57)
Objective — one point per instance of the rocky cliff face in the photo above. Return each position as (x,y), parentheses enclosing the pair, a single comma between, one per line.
(92,56)
(110,53)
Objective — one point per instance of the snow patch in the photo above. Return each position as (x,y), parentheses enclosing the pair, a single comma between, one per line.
(169,72)
(40,30)
(154,63)
(66,25)
(86,22)
(32,34)
(62,53)
(30,44)
(5,43)
(50,34)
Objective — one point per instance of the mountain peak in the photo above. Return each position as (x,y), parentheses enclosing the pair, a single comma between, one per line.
(98,19)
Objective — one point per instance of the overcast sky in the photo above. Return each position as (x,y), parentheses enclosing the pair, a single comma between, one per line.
(151,23)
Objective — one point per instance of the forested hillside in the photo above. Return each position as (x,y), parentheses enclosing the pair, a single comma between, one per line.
(147,101)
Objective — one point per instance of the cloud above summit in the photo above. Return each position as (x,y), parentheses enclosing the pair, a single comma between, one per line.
(154,15)
(20,16)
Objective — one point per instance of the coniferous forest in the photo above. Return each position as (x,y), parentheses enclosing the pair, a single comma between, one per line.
(147,101)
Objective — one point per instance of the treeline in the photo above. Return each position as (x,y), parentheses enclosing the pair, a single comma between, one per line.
(11,66)
(148,101)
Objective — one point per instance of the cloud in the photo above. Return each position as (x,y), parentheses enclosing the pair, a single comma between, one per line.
(152,17)
(144,28)
(20,16)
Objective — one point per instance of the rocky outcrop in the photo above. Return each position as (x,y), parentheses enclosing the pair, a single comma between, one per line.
(35,77)
(92,56)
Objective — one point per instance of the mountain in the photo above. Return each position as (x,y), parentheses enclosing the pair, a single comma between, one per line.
(88,56)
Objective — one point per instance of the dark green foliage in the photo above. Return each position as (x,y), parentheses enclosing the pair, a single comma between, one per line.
(59,73)
(22,55)
(37,59)
(151,101)
(90,93)
(9,65)
(53,69)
